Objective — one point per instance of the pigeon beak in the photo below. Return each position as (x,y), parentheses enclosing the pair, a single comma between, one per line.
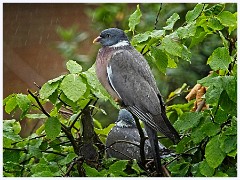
(97,39)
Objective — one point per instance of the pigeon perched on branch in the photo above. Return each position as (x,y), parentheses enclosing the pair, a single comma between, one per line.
(127,77)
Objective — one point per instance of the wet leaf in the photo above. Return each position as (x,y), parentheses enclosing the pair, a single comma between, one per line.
(73,87)
(52,127)
(73,67)
(213,153)
(134,19)
(193,14)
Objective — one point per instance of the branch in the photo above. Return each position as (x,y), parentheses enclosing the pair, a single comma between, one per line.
(39,104)
(142,139)
(122,141)
(75,120)
(121,153)
(69,135)
(156,20)
(71,166)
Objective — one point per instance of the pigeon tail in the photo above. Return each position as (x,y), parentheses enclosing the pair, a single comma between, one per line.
(166,128)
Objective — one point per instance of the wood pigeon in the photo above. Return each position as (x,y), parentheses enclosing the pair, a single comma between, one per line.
(127,77)
(125,131)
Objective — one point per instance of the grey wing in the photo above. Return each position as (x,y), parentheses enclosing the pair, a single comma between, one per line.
(129,77)
(132,79)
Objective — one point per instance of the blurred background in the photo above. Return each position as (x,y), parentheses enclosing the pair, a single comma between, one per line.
(38,39)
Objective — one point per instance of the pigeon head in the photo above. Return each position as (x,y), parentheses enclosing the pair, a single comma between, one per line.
(125,119)
(112,37)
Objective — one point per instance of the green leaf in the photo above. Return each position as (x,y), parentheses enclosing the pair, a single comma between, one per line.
(228,19)
(229,83)
(10,104)
(134,19)
(160,59)
(220,59)
(48,89)
(52,127)
(228,143)
(23,103)
(43,174)
(117,169)
(227,104)
(214,10)
(199,36)
(205,169)
(33,148)
(188,120)
(214,24)
(157,34)
(136,167)
(187,31)
(195,13)
(195,170)
(11,156)
(91,172)
(56,79)
(213,153)
(216,85)
(140,38)
(232,130)
(220,174)
(171,21)
(179,169)
(11,129)
(178,91)
(233,153)
(221,116)
(210,129)
(36,116)
(183,145)
(73,67)
(69,158)
(197,135)
(73,87)
(173,47)
(104,131)
(232,172)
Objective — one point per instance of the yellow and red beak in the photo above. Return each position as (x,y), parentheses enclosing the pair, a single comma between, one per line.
(97,39)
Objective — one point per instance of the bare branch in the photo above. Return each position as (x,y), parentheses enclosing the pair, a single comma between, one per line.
(156,20)
(39,104)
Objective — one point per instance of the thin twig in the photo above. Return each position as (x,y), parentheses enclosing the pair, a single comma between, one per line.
(14,149)
(39,104)
(71,165)
(156,20)
(142,139)
(54,152)
(39,87)
(122,141)
(121,153)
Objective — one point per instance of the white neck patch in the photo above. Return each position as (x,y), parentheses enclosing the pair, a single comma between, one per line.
(120,44)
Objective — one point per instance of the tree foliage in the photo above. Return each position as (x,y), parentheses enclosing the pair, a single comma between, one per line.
(70,141)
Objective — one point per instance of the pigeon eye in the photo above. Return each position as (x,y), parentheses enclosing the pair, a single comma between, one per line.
(108,35)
